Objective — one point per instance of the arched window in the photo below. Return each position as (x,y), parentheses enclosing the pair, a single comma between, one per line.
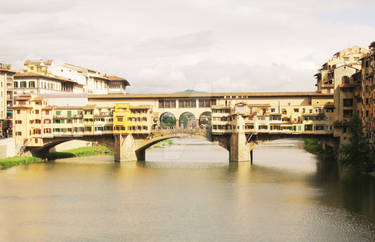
(345,80)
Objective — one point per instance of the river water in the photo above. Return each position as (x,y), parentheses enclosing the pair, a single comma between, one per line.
(187,192)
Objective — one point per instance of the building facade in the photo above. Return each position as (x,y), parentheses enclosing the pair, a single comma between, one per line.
(330,74)
(35,119)
(6,99)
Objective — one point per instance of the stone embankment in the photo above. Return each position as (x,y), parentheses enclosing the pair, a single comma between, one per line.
(7,148)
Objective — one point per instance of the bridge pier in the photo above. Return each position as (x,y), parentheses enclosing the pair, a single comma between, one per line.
(240,149)
(125,148)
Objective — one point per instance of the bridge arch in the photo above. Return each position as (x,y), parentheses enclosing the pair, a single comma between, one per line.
(167,120)
(205,119)
(187,120)
(202,134)
(42,152)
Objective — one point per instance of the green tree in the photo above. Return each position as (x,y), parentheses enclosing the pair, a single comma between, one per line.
(168,121)
(184,120)
(357,153)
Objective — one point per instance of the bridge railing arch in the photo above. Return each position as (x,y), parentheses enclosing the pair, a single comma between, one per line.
(193,132)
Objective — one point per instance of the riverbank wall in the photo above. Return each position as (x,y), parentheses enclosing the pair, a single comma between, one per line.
(7,148)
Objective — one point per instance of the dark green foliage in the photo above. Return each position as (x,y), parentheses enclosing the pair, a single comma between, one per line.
(357,153)
(184,120)
(168,121)
(313,146)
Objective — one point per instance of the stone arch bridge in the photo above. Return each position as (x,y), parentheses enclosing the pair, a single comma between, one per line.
(132,147)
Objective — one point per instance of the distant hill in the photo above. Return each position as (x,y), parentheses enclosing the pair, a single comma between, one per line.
(190,91)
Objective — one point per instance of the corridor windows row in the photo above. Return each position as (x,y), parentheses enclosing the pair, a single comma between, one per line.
(223,127)
(187,103)
(206,103)
(167,103)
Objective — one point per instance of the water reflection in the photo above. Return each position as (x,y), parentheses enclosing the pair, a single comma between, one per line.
(286,195)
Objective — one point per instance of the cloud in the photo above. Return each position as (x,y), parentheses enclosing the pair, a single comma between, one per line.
(176,45)
(168,46)
(35,6)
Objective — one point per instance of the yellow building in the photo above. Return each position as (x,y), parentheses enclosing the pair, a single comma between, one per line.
(38,66)
(132,119)
(27,120)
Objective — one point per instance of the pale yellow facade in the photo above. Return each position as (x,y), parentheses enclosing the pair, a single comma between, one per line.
(140,115)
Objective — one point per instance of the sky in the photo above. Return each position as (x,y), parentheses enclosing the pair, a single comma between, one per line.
(169,46)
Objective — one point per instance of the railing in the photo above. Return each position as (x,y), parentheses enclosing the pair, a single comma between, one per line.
(192,131)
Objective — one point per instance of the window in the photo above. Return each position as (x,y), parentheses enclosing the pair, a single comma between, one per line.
(120,119)
(296,110)
(15,84)
(18,133)
(47,112)
(348,102)
(348,113)
(345,80)
(32,84)
(18,121)
(23,84)
(18,111)
(58,112)
(167,103)
(187,103)
(37,111)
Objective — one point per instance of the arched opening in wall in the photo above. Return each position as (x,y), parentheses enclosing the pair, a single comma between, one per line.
(68,147)
(205,120)
(186,149)
(345,80)
(187,120)
(287,154)
(167,120)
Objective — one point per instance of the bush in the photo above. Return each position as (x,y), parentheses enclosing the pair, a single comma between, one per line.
(357,153)
(313,146)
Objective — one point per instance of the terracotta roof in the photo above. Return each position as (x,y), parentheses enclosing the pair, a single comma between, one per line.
(34,62)
(7,70)
(116,78)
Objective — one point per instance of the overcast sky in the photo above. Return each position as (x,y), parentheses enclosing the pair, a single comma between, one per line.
(168,45)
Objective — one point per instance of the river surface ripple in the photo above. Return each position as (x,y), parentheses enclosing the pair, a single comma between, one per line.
(187,192)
